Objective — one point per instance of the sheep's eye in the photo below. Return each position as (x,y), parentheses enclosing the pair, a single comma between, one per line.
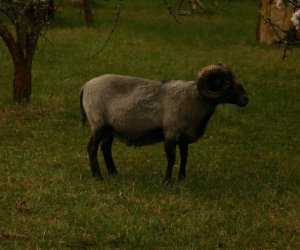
(226,85)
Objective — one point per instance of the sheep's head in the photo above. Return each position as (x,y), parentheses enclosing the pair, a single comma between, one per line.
(217,83)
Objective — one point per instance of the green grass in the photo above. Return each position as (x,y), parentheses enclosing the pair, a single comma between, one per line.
(242,186)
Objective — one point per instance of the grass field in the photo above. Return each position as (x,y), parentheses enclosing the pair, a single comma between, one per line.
(243,181)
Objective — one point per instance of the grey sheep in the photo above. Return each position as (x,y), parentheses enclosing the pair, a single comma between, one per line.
(141,112)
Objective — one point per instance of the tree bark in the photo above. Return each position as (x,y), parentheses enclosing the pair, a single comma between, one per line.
(51,9)
(180,4)
(88,15)
(22,79)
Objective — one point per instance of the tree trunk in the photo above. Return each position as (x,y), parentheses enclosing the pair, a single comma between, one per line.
(51,9)
(88,15)
(280,17)
(22,79)
(180,4)
(29,18)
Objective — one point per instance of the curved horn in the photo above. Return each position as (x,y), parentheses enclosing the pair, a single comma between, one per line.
(203,80)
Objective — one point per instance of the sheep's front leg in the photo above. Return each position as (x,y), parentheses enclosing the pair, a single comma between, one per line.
(170,149)
(106,151)
(183,148)
(93,151)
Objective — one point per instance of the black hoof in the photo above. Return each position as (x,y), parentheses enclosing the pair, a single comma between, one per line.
(98,176)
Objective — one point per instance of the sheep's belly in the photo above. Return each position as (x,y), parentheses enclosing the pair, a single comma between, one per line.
(147,138)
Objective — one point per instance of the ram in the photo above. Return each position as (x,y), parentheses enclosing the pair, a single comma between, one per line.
(140,112)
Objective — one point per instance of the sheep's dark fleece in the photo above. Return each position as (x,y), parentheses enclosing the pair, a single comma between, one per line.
(141,112)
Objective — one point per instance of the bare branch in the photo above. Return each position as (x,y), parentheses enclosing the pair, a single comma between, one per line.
(294,4)
(9,11)
(8,38)
(171,11)
(218,9)
(27,7)
(40,20)
(274,26)
(118,15)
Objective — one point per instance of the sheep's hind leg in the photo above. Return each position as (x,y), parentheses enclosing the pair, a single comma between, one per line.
(106,151)
(170,149)
(92,148)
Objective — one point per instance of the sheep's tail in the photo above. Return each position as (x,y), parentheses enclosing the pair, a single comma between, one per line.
(82,111)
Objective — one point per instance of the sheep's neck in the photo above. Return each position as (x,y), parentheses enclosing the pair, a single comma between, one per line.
(201,127)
